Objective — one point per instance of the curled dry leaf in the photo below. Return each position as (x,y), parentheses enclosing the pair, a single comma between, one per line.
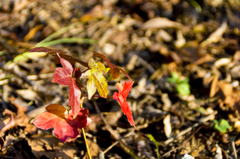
(11,123)
(215,36)
(159,23)
(167,126)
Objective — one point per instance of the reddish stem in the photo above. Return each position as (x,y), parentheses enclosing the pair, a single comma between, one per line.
(98,96)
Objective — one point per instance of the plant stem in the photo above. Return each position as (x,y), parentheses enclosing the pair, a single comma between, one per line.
(85,139)
(98,96)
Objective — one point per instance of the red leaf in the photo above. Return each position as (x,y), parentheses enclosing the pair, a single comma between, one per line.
(63,75)
(66,128)
(121,97)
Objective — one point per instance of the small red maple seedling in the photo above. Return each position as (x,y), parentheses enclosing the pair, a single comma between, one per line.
(66,124)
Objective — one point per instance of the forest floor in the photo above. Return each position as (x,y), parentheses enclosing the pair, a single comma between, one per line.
(184,58)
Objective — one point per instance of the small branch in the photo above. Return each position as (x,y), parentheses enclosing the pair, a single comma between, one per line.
(209,117)
(115,136)
(9,48)
(146,64)
(116,142)
(184,143)
(85,70)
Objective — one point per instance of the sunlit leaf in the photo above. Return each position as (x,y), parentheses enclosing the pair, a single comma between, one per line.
(63,75)
(121,97)
(96,80)
(65,126)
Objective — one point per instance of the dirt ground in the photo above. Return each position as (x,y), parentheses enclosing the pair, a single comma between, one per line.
(184,58)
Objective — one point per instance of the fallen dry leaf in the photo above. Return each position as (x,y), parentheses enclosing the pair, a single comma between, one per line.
(167,126)
(159,23)
(215,36)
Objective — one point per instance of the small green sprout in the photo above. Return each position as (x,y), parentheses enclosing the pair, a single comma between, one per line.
(182,87)
(155,142)
(222,126)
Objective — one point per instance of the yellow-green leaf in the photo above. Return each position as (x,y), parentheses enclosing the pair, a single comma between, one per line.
(96,80)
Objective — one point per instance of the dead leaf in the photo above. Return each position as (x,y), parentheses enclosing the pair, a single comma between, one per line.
(131,64)
(33,32)
(166,102)
(11,123)
(214,87)
(95,12)
(51,147)
(159,23)
(222,62)
(215,36)
(204,59)
(181,41)
(28,94)
(167,126)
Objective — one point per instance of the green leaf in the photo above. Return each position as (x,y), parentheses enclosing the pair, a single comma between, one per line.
(225,123)
(222,126)
(183,88)
(174,78)
(96,80)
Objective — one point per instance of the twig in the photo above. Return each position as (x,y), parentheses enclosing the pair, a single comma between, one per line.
(33,84)
(145,64)
(184,143)
(116,142)
(108,127)
(234,149)
(190,128)
(9,48)
(116,137)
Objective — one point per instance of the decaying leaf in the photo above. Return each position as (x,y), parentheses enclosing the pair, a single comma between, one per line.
(159,23)
(167,126)
(11,123)
(215,36)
